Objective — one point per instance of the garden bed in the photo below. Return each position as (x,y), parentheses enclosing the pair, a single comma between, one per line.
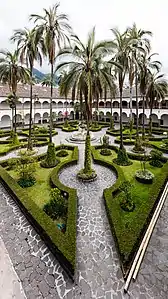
(128,228)
(32,199)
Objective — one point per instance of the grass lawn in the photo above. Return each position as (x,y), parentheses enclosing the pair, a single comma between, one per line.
(128,226)
(40,192)
(127,131)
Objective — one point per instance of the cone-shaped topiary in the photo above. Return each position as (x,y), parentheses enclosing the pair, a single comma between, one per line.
(87,162)
(122,158)
(87,173)
(50,160)
(15,139)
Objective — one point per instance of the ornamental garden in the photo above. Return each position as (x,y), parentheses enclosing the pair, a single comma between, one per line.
(33,157)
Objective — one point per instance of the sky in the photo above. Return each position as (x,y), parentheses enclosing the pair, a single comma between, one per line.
(85,14)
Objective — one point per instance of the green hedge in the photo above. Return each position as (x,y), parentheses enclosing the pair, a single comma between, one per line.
(109,197)
(69,129)
(62,245)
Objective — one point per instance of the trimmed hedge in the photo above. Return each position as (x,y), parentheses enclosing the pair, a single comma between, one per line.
(63,246)
(69,129)
(110,193)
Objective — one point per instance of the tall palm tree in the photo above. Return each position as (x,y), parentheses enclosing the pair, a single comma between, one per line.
(12,73)
(121,42)
(86,74)
(30,46)
(54,28)
(146,66)
(139,42)
(156,90)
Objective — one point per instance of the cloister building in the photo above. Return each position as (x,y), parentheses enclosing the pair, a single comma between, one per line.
(41,100)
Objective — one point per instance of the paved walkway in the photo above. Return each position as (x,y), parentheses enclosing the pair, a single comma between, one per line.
(98,273)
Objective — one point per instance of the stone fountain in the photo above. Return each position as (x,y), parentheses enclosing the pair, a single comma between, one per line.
(80,136)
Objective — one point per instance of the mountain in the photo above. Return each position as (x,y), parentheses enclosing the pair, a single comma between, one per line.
(38,75)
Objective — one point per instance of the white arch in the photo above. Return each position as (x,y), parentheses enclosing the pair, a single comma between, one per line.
(37,105)
(154,118)
(164,118)
(26,105)
(4,105)
(27,118)
(46,105)
(5,121)
(141,119)
(116,104)
(124,117)
(116,116)
(108,104)
(37,118)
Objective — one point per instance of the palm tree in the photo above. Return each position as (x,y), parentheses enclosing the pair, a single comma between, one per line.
(121,42)
(30,45)
(139,43)
(12,73)
(156,90)
(146,66)
(85,73)
(46,81)
(54,28)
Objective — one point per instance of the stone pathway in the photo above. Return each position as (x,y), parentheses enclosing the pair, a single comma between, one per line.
(10,285)
(98,273)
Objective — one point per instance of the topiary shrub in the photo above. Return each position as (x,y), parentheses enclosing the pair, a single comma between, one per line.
(50,160)
(87,173)
(105,152)
(122,158)
(62,153)
(66,124)
(126,201)
(138,146)
(43,130)
(57,206)
(26,168)
(156,156)
(105,143)
(144,176)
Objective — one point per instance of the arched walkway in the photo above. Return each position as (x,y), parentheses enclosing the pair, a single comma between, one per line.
(116,117)
(164,120)
(27,118)
(5,121)
(37,118)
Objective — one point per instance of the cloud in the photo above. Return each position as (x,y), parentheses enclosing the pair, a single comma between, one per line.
(84,15)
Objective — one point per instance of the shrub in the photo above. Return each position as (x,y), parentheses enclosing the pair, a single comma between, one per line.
(105,152)
(26,168)
(12,163)
(156,157)
(144,176)
(138,146)
(87,161)
(43,130)
(62,153)
(122,158)
(66,124)
(57,206)
(126,201)
(50,160)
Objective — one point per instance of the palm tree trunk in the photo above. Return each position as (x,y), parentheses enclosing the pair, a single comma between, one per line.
(150,122)
(130,103)
(136,90)
(143,119)
(121,125)
(30,146)
(12,123)
(15,119)
(51,97)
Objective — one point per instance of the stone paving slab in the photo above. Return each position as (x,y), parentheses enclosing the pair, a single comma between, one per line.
(98,273)
(10,285)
